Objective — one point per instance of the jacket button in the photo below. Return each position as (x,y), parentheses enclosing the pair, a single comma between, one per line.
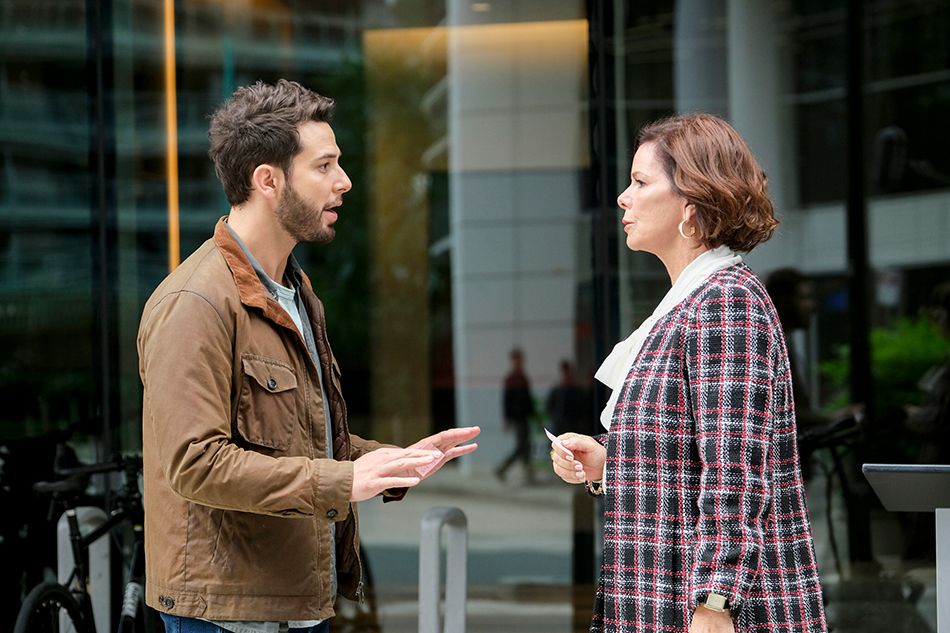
(170,602)
(161,600)
(271,384)
(331,513)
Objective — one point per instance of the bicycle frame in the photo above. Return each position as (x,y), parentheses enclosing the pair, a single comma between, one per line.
(78,581)
(80,543)
(68,492)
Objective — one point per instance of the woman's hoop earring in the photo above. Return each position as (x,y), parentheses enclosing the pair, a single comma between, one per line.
(685,236)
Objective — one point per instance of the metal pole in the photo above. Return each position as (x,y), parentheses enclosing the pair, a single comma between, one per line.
(943,568)
(171,136)
(103,222)
(456,573)
(859,269)
(602,185)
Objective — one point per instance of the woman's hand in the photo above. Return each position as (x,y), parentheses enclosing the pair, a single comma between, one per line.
(709,621)
(587,463)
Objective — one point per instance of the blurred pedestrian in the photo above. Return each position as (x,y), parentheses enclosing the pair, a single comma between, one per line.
(563,404)
(517,411)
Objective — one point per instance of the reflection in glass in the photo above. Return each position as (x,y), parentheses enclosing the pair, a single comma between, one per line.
(47,378)
(777,71)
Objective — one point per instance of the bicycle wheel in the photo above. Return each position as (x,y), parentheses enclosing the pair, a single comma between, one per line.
(41,610)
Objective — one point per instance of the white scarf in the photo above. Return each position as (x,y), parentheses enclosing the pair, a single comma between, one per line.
(613,371)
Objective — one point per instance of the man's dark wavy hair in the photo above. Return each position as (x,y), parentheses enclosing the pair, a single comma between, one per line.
(258,125)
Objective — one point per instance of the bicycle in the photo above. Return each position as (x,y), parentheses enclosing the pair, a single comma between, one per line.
(51,604)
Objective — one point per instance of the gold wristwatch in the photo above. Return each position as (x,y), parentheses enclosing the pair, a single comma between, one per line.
(594,488)
(716,602)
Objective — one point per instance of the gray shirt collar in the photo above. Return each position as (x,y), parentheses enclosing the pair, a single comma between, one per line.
(294,272)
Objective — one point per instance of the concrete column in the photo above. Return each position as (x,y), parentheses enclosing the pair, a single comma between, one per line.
(699,57)
(756,76)
(517,138)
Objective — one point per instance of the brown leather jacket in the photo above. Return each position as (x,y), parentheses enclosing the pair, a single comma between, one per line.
(239,494)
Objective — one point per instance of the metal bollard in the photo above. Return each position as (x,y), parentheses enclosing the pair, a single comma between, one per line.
(456,560)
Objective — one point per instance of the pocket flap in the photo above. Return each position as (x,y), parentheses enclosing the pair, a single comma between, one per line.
(272,375)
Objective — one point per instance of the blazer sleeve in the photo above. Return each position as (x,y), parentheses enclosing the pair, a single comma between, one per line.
(730,375)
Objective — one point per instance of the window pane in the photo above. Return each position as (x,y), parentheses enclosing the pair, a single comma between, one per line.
(777,71)
(47,318)
(465,235)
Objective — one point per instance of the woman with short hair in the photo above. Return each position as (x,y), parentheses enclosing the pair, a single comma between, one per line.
(705,524)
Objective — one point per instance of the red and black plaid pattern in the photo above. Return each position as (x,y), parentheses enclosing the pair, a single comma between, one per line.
(704,491)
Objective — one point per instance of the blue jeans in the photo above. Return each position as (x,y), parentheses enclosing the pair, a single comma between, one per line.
(178,624)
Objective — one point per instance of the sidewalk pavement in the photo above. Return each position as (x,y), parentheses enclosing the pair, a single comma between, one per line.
(519,553)
(516,532)
(520,549)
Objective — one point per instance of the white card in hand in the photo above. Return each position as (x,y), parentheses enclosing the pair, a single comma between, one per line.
(557,443)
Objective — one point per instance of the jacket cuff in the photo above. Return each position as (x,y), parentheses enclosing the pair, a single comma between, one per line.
(332,489)
(394,494)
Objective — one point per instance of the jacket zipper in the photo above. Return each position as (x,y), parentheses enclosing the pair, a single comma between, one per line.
(360,592)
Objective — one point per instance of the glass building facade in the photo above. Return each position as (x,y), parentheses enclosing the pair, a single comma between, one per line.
(487,142)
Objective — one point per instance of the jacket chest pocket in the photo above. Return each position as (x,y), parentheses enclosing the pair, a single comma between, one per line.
(267,407)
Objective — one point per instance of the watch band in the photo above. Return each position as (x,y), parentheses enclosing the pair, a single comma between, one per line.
(716,602)
(594,488)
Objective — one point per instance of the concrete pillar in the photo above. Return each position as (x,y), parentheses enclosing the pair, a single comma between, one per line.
(756,76)
(699,57)
(517,138)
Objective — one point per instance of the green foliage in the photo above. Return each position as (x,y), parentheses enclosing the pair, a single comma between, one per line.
(900,355)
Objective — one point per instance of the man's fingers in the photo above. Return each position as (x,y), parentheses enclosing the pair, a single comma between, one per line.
(450,437)
(458,434)
(396,453)
(389,468)
(458,451)
(405,464)
(385,483)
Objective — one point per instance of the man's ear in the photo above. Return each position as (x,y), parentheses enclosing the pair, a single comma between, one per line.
(268,180)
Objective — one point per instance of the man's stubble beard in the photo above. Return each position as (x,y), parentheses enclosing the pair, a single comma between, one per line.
(301,219)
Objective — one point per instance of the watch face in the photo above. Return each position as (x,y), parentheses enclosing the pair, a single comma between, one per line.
(716,602)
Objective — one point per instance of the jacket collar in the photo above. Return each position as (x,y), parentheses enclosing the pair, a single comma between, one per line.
(250,287)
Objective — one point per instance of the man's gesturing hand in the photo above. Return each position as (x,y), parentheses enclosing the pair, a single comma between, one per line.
(387,468)
(447,443)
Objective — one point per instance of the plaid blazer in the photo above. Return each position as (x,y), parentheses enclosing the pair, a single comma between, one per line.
(703,485)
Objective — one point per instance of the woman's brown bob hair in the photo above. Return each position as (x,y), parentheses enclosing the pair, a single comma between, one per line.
(711,166)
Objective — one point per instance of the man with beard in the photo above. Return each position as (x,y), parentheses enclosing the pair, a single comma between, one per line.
(250,471)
